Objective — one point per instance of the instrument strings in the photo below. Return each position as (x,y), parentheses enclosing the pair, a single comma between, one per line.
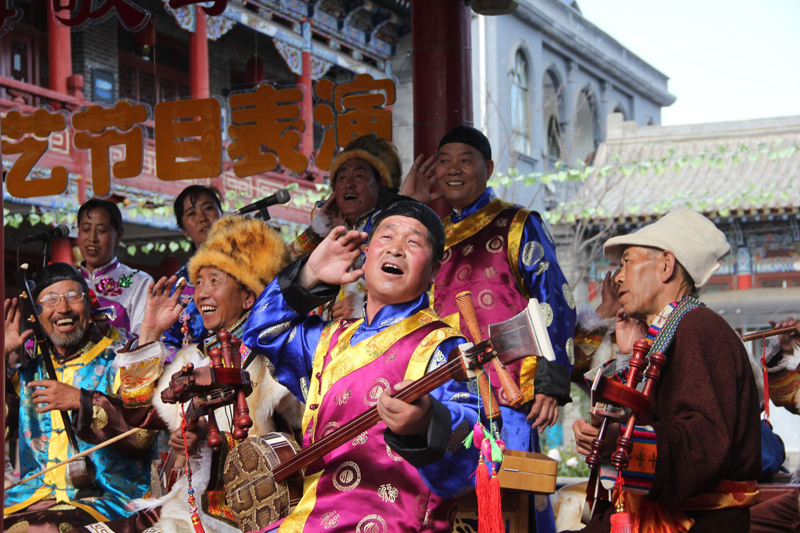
(355,426)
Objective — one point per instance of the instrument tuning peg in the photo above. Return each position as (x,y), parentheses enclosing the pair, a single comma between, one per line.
(23,295)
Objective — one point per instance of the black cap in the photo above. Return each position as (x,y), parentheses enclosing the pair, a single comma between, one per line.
(417,211)
(55,272)
(470,136)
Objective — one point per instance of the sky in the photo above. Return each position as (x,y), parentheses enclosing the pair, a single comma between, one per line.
(726,59)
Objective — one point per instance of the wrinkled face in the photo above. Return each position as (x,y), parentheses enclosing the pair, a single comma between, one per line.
(399,263)
(66,322)
(462,173)
(356,189)
(639,283)
(97,239)
(220,299)
(198,218)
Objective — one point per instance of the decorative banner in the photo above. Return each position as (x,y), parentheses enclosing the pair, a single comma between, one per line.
(352,109)
(41,124)
(132,17)
(265,132)
(267,114)
(188,129)
(9,15)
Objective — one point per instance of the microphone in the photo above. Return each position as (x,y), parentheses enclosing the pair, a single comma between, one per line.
(280,197)
(58,232)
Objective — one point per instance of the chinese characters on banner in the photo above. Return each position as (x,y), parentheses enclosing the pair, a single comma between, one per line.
(265,133)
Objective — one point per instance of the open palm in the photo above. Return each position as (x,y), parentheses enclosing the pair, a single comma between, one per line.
(14,339)
(162,309)
(331,261)
(420,180)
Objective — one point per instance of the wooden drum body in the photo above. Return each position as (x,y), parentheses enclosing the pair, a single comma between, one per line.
(252,492)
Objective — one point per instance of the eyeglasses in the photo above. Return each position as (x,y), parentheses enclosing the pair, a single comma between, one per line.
(52,300)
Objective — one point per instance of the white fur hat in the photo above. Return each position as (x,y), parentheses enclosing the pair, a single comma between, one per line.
(696,242)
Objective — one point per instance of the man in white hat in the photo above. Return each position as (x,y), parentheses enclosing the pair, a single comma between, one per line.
(698,460)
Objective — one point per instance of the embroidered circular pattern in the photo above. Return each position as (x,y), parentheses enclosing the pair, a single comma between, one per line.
(328,428)
(547,313)
(486,299)
(571,350)
(393,455)
(372,524)
(463,274)
(347,476)
(490,273)
(532,253)
(374,391)
(568,295)
(329,520)
(447,254)
(468,249)
(495,245)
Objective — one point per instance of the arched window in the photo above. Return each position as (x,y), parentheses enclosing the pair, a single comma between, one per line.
(553,103)
(587,127)
(519,104)
(621,110)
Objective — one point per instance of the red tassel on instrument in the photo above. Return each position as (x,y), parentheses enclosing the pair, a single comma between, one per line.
(495,505)
(198,525)
(621,520)
(482,493)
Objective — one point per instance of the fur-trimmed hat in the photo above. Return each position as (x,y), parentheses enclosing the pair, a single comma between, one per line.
(245,248)
(376,151)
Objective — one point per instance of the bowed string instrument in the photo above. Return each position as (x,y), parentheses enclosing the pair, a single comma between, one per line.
(80,472)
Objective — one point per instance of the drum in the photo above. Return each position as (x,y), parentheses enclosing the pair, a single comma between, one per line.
(251,490)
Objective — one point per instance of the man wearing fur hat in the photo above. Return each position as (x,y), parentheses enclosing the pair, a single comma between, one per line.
(702,452)
(86,378)
(365,177)
(407,472)
(239,258)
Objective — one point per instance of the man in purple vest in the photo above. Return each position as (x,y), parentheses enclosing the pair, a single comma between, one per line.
(504,255)
(407,473)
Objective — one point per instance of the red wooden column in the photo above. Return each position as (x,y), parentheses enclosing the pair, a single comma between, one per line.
(198,57)
(304,79)
(59,52)
(744,269)
(59,64)
(442,56)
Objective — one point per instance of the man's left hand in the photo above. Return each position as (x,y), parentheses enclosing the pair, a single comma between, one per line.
(420,180)
(544,412)
(58,396)
(405,418)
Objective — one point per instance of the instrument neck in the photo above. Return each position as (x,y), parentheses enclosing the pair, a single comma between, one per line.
(366,420)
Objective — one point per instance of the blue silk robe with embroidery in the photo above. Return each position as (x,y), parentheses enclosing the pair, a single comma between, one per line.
(119,478)
(290,340)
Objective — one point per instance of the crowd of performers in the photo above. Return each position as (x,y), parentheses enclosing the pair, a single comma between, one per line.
(358,308)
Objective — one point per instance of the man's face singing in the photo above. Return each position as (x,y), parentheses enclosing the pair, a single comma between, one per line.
(399,263)
(355,189)
(65,313)
(220,298)
(462,173)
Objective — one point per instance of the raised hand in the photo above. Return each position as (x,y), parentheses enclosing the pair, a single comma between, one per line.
(161,310)
(628,331)
(610,292)
(420,180)
(331,261)
(14,339)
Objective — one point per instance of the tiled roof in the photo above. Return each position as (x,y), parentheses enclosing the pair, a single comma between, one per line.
(723,170)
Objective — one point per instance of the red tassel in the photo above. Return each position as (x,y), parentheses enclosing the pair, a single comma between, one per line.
(621,523)
(482,493)
(198,525)
(496,505)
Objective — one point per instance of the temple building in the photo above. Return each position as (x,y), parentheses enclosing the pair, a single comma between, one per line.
(181,54)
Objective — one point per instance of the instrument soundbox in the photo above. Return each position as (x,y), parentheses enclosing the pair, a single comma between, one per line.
(263,476)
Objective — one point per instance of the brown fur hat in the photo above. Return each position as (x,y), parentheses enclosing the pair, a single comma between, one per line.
(376,151)
(245,248)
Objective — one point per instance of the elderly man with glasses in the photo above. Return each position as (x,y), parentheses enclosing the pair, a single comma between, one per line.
(82,359)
